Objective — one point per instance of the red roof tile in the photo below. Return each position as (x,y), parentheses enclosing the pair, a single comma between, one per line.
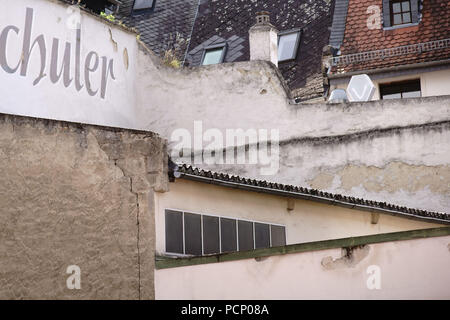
(434,25)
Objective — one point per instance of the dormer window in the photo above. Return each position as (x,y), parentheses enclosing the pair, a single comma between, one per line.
(399,13)
(288,45)
(143,6)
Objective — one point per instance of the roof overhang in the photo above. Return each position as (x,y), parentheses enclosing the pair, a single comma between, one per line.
(189,173)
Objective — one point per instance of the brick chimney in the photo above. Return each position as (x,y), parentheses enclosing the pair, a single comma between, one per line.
(263,38)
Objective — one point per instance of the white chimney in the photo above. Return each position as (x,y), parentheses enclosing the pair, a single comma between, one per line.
(263,39)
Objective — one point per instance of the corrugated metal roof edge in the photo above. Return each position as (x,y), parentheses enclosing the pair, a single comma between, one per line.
(289,191)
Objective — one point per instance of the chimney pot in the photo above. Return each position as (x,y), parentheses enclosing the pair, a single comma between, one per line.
(262,17)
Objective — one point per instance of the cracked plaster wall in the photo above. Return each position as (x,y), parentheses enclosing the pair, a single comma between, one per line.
(407,166)
(73,194)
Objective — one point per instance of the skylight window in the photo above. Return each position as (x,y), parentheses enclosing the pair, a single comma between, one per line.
(143,5)
(288,45)
(214,54)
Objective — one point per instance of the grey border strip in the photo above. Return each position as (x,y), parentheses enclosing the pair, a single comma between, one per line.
(339,23)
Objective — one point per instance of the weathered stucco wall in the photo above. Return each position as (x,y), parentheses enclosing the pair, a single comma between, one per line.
(396,151)
(409,269)
(406,165)
(392,150)
(73,194)
(249,95)
(230,95)
(308,221)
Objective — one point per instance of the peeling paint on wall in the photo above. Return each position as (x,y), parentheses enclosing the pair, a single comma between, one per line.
(350,257)
(393,177)
(404,165)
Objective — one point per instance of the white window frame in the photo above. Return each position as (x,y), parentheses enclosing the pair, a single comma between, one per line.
(297,43)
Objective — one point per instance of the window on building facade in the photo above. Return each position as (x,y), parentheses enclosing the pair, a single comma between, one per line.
(288,45)
(211,235)
(400,12)
(214,54)
(143,6)
(174,232)
(228,235)
(401,90)
(192,234)
(202,234)
(245,235)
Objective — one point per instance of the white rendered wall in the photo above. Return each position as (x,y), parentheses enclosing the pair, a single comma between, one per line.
(412,269)
(45,99)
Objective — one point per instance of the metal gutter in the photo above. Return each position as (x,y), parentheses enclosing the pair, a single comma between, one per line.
(296,195)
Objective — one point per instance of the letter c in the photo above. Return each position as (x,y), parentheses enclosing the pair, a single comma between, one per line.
(3,39)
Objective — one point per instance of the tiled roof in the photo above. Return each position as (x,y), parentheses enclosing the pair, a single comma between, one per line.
(159,29)
(230,20)
(224,179)
(433,24)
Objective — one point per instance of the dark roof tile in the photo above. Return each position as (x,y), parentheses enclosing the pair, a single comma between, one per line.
(169,23)
(232,19)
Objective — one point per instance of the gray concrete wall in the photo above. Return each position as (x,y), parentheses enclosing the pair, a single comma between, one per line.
(73,194)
